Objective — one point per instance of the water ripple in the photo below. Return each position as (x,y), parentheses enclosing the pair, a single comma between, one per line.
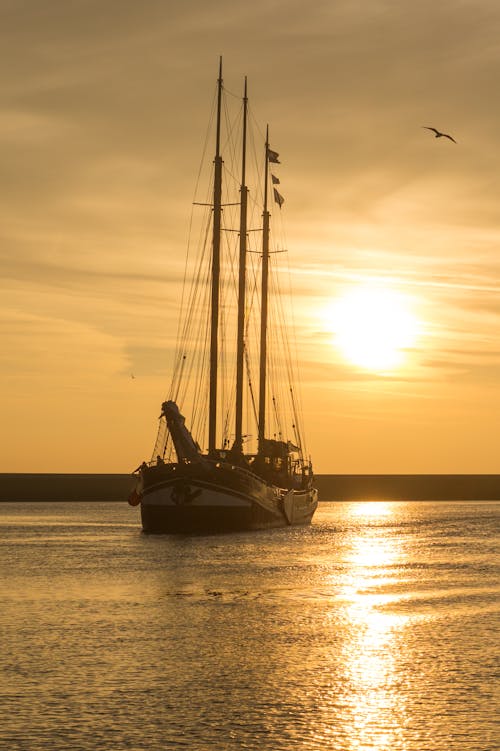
(376,628)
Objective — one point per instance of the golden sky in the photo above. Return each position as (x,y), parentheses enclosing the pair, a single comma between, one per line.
(102,118)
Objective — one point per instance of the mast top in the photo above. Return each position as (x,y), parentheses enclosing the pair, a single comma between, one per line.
(266,171)
(219,104)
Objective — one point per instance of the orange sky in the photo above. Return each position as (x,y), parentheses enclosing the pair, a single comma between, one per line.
(102,120)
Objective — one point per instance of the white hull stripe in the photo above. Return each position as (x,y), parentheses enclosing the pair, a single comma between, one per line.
(195,497)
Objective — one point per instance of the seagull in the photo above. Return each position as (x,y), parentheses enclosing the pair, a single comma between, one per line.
(438,133)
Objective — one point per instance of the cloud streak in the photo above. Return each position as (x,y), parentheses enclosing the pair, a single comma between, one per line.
(102,124)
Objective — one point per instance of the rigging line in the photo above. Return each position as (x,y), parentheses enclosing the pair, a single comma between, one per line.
(231,165)
(282,369)
(280,328)
(188,335)
(277,417)
(232,94)
(200,168)
(255,161)
(232,127)
(298,377)
(200,384)
(197,276)
(200,397)
(191,311)
(185,321)
(160,443)
(280,314)
(250,386)
(226,395)
(229,307)
(200,338)
(286,339)
(223,336)
(294,410)
(203,245)
(195,330)
(207,137)
(296,423)
(188,309)
(255,125)
(280,366)
(251,329)
(272,350)
(292,363)
(252,287)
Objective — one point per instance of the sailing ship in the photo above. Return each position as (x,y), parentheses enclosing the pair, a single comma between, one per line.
(251,473)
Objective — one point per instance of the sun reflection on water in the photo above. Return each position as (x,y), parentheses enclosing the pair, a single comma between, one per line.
(371,508)
(374,635)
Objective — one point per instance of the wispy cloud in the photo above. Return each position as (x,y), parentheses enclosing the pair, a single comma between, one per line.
(102,122)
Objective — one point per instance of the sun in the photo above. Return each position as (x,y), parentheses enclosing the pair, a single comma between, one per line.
(373,327)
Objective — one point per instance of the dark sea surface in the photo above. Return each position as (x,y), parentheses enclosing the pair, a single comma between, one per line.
(375,628)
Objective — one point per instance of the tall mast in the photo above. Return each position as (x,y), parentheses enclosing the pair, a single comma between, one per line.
(263,313)
(214,323)
(238,442)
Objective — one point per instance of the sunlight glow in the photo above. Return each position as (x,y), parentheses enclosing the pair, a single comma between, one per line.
(367,509)
(373,326)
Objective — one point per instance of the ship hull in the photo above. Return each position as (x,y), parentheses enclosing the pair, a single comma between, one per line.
(192,500)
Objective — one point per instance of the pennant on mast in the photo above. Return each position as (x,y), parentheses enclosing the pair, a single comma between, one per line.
(278,198)
(272,156)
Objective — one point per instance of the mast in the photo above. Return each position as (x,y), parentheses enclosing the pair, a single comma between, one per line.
(263,310)
(214,322)
(238,441)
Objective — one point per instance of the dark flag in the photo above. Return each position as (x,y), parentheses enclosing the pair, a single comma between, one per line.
(275,180)
(278,198)
(273,156)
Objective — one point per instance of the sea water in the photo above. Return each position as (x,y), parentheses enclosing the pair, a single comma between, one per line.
(377,627)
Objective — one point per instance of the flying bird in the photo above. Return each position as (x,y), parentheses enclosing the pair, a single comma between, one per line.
(438,133)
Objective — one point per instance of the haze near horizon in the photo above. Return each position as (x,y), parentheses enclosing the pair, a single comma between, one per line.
(393,235)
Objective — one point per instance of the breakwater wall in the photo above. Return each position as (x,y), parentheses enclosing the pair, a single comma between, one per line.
(409,487)
(116,487)
(65,487)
